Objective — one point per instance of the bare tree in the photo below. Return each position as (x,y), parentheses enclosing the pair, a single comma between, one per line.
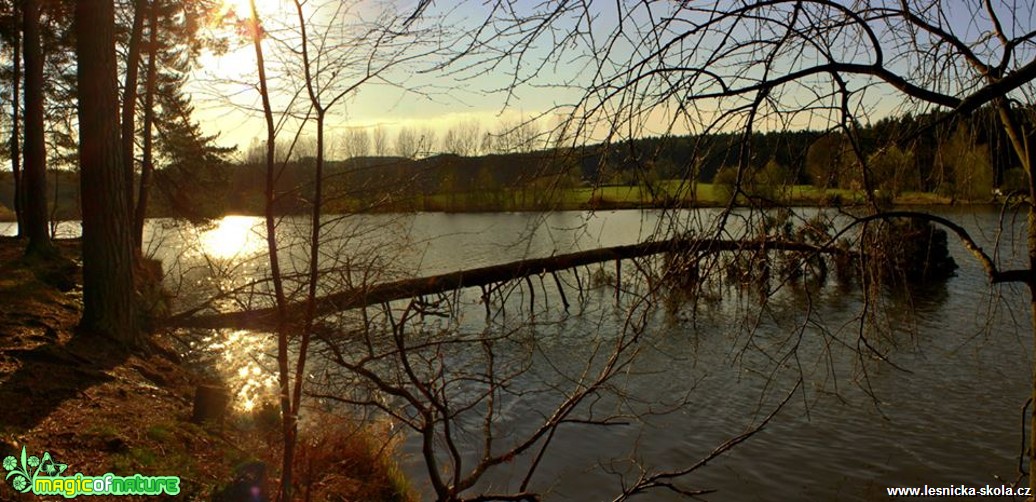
(379,139)
(377,50)
(678,61)
(408,143)
(330,53)
(426,142)
(255,30)
(463,139)
(759,65)
(516,137)
(356,143)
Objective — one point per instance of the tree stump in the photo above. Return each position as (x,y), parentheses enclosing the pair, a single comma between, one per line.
(210,404)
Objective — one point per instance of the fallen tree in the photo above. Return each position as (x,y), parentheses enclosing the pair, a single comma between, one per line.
(266,318)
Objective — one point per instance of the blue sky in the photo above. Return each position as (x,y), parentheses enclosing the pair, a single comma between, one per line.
(415,95)
(477,87)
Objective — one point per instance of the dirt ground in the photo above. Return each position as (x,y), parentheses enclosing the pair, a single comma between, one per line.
(88,402)
(99,408)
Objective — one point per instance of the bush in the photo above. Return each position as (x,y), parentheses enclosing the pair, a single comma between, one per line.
(342,460)
(723,183)
(912,249)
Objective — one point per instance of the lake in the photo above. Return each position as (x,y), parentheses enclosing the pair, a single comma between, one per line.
(946,409)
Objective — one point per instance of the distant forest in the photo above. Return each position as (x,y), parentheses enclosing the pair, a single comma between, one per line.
(963,159)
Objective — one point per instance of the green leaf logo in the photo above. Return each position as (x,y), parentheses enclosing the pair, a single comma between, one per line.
(21,473)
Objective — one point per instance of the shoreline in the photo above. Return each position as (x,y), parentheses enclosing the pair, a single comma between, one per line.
(605,205)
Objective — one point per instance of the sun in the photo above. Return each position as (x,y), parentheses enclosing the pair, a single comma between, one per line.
(237,63)
(232,237)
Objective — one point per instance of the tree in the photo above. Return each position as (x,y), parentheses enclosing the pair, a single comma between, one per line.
(720,67)
(380,140)
(174,40)
(968,165)
(254,29)
(824,161)
(412,142)
(141,9)
(108,289)
(516,137)
(408,143)
(771,181)
(186,165)
(334,56)
(894,170)
(463,139)
(356,143)
(35,193)
(129,113)
(13,33)
(48,27)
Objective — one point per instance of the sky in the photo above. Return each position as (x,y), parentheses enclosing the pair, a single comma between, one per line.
(413,94)
(478,86)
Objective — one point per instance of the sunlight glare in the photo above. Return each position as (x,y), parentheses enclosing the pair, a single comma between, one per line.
(239,365)
(242,9)
(232,237)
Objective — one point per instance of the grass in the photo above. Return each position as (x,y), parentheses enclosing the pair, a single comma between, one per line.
(336,458)
(664,193)
(339,460)
(159,432)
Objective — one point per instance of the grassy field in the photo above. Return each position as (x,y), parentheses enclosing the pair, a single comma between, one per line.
(668,193)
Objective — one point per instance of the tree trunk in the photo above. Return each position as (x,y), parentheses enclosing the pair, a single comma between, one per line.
(108,293)
(147,166)
(129,103)
(1032,396)
(287,420)
(36,221)
(1020,145)
(16,120)
(374,294)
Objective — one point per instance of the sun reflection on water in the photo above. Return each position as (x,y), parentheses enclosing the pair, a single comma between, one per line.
(236,358)
(232,237)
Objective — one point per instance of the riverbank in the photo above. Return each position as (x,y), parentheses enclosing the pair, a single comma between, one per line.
(667,194)
(98,408)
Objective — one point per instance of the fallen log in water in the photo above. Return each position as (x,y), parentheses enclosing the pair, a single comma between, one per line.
(265,319)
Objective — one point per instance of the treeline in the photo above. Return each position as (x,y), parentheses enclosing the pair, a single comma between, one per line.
(400,184)
(963,159)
